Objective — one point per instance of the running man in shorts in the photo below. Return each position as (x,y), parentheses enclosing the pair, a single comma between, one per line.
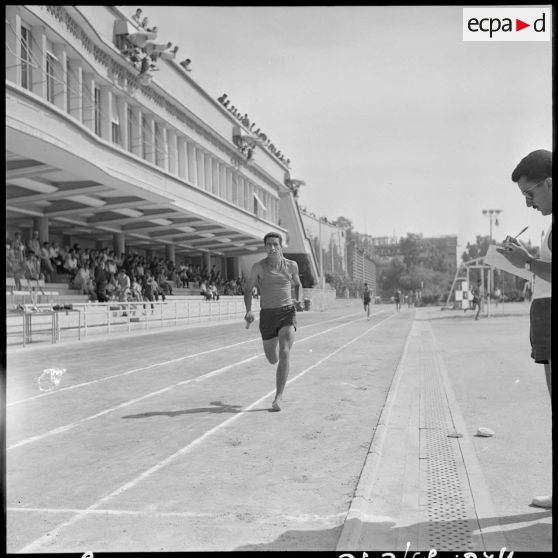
(274,276)
(366,295)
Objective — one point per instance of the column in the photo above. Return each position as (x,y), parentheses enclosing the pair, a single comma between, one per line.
(60,83)
(170,252)
(106,113)
(41,224)
(148,134)
(118,243)
(88,90)
(207,260)
(38,53)
(161,147)
(181,157)
(13,44)
(122,111)
(192,163)
(135,128)
(75,89)
(171,151)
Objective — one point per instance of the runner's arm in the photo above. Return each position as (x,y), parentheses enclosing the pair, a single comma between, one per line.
(250,284)
(299,294)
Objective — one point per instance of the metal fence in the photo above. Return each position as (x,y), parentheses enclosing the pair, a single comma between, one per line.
(37,323)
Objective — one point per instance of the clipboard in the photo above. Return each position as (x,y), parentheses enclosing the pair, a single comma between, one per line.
(496,259)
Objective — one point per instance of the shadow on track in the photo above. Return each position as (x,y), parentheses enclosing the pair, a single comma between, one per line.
(218,407)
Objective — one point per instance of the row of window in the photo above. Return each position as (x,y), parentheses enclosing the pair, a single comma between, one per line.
(145,137)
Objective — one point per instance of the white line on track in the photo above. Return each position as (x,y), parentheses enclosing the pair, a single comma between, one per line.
(163,363)
(71,426)
(151,514)
(53,533)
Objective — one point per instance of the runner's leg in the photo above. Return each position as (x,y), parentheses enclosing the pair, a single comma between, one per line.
(270,348)
(286,340)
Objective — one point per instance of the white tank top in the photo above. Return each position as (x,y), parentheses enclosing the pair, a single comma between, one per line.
(542,288)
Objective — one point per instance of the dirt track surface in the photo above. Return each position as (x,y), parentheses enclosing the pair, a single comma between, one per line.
(165,442)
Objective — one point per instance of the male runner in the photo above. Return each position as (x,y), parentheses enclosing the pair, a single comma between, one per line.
(366,296)
(274,276)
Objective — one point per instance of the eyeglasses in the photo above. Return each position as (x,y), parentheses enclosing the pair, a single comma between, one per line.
(525,192)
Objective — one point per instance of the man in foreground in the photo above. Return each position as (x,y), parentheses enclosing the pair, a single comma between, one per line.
(533,175)
(274,276)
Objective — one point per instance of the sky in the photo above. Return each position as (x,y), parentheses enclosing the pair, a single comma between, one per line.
(390,118)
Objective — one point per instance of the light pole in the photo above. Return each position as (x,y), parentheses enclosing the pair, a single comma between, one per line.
(492,213)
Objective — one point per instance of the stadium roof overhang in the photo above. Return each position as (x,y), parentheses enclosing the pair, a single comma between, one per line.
(90,209)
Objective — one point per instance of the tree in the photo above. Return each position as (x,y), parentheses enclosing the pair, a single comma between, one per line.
(411,249)
(344,223)
(476,249)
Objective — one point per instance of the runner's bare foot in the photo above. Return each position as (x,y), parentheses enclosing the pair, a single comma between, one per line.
(275,405)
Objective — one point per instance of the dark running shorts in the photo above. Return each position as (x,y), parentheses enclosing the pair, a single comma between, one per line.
(273,319)
(540,330)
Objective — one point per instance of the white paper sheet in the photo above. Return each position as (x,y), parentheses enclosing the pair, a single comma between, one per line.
(496,259)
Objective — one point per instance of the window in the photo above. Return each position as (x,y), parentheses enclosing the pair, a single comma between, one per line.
(115,122)
(97,111)
(25,57)
(51,61)
(130,128)
(68,90)
(144,139)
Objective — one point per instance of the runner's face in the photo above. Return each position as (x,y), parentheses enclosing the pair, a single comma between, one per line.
(273,247)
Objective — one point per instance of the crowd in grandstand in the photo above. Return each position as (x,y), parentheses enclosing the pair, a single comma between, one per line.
(145,54)
(245,121)
(106,276)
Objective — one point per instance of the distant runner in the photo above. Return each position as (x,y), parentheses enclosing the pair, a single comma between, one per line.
(274,276)
(366,295)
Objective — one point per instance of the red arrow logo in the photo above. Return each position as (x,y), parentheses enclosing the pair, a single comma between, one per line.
(519,25)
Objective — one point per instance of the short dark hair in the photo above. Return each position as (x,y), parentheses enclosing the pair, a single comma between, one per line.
(273,235)
(535,166)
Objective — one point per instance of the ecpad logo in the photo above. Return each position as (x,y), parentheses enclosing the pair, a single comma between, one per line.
(507,24)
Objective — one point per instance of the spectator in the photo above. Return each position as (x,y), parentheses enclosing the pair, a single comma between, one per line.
(82,280)
(31,267)
(18,247)
(204,291)
(164,285)
(213,291)
(33,244)
(136,290)
(222,98)
(144,23)
(101,282)
(70,265)
(151,289)
(186,64)
(137,16)
(123,286)
(46,265)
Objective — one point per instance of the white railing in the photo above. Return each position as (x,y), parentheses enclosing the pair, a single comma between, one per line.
(83,320)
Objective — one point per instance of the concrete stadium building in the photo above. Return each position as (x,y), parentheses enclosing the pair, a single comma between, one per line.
(101,154)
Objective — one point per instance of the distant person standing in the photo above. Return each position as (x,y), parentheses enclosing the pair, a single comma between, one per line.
(397,299)
(533,175)
(477,299)
(274,276)
(366,296)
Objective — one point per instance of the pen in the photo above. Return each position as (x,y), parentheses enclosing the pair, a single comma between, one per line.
(520,233)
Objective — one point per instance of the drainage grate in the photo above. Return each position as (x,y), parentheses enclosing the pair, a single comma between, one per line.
(447,499)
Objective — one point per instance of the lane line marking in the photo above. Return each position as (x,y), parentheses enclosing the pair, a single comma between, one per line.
(163,363)
(261,518)
(212,373)
(53,533)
